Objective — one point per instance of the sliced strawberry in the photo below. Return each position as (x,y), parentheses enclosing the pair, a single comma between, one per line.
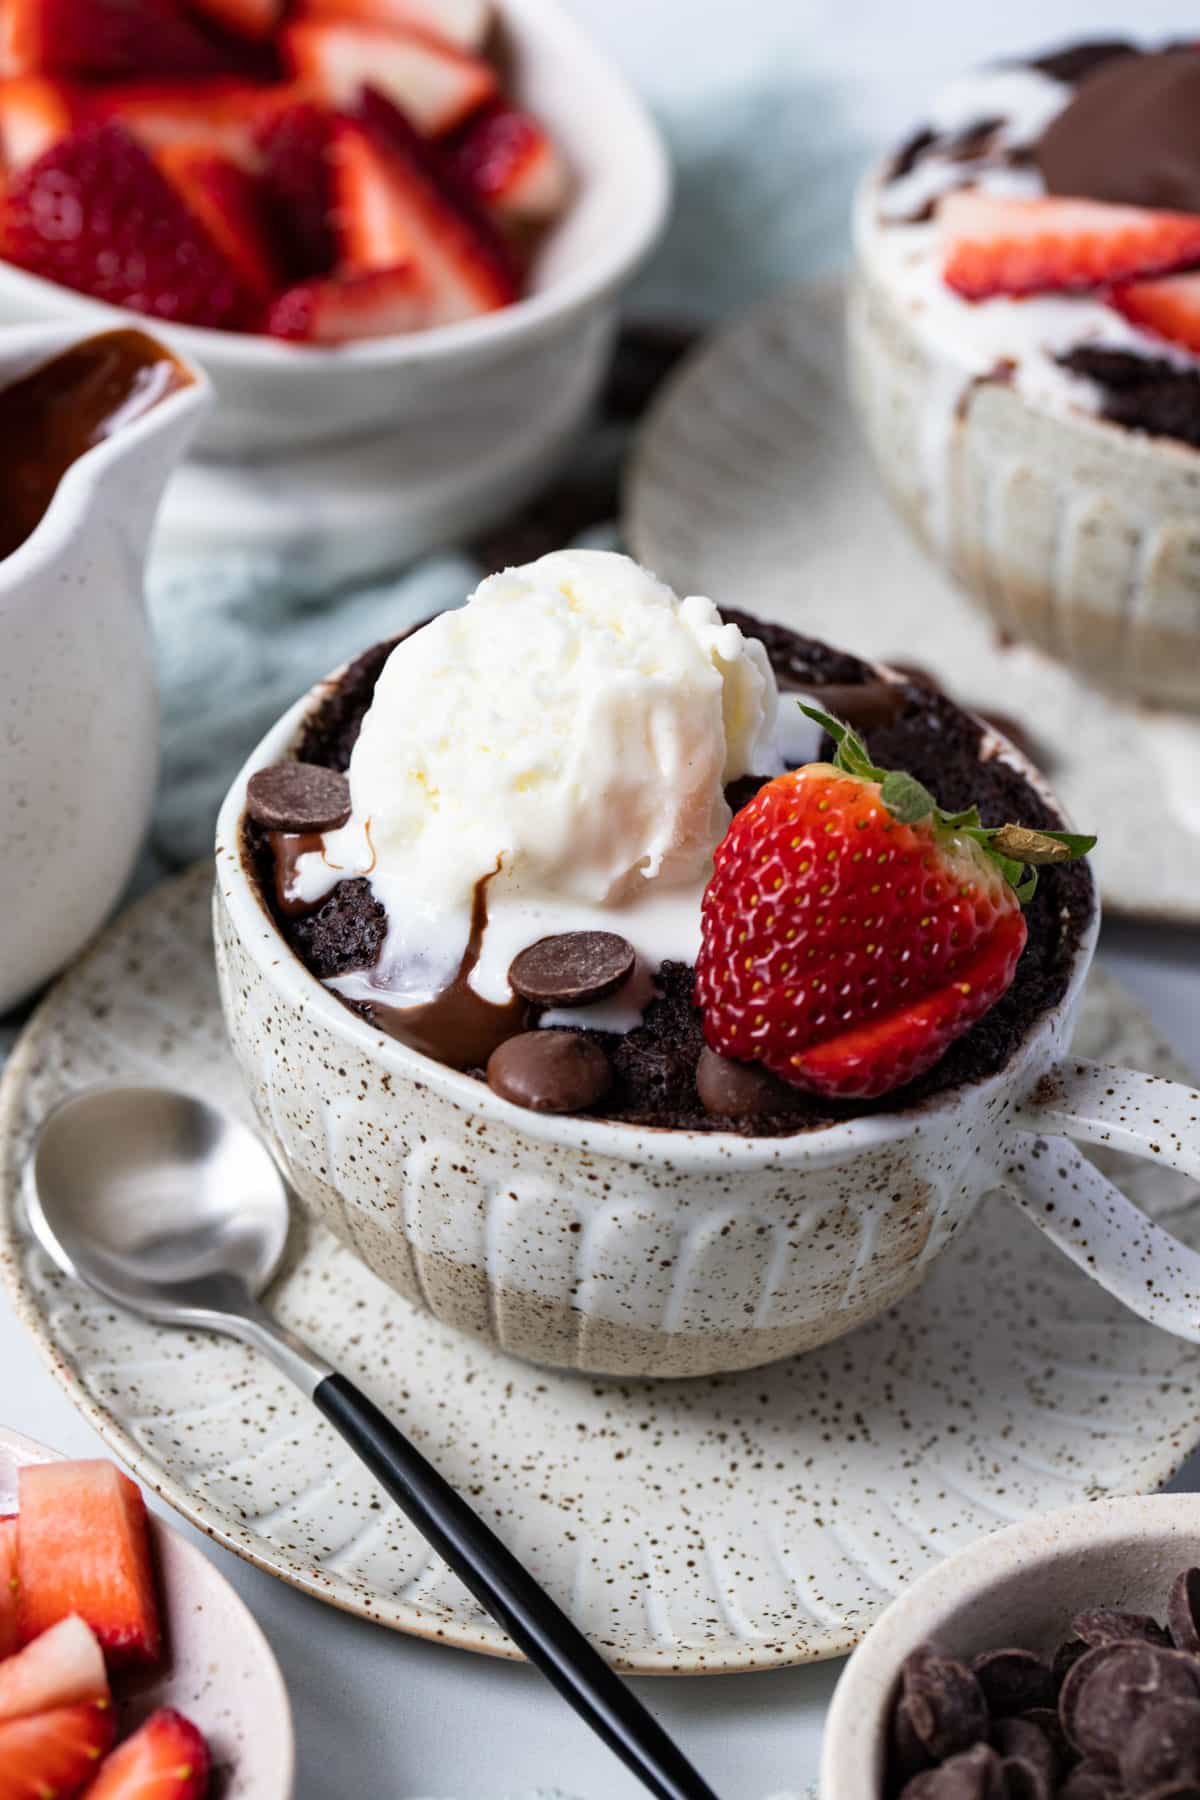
(60,1668)
(1170,307)
(35,112)
(84,1548)
(852,931)
(10,1635)
(52,1754)
(230,204)
(996,245)
(107,39)
(462,22)
(375,303)
(96,214)
(436,85)
(512,165)
(245,18)
(389,211)
(165,1759)
(297,175)
(222,114)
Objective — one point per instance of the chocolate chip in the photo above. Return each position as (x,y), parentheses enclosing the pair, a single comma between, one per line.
(908,1755)
(1163,1747)
(1050,1725)
(1092,1781)
(1172,1790)
(1013,1681)
(1065,1658)
(1183,1610)
(945,1702)
(1103,1625)
(298,796)
(975,1774)
(574,968)
(550,1071)
(737,1090)
(1021,1741)
(1112,1687)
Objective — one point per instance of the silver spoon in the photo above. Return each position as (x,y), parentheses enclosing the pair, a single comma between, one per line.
(178,1212)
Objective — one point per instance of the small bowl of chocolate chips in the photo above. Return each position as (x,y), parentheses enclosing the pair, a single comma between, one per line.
(1056,1660)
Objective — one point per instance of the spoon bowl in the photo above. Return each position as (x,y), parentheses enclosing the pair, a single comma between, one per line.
(152,1195)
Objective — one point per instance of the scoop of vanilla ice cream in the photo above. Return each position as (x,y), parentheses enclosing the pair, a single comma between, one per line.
(572,726)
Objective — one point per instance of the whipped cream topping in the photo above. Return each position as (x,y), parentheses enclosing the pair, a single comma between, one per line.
(566,737)
(903,249)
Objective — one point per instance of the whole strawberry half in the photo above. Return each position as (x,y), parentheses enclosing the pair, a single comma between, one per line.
(95,213)
(852,931)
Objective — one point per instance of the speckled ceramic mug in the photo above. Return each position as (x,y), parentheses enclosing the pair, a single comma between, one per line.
(618,1249)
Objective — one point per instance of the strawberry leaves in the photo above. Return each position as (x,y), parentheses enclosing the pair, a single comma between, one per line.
(1017,850)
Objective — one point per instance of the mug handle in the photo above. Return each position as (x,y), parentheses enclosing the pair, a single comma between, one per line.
(1084,1213)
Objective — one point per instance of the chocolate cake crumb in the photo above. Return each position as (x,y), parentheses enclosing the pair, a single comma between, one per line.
(1075,62)
(1143,393)
(654,1066)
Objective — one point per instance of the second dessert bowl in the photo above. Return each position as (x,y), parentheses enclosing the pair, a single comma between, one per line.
(635,1244)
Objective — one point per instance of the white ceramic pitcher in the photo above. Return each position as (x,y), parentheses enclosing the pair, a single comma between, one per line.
(78,703)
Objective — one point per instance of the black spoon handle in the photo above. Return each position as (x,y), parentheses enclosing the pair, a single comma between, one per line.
(508,1591)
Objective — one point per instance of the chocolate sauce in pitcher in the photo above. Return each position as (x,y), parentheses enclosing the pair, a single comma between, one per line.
(52,416)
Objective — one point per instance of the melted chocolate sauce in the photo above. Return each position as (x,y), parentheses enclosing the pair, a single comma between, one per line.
(55,414)
(458,1026)
(288,847)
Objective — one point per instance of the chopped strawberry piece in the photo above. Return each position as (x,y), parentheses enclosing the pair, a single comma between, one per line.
(297,174)
(35,112)
(222,114)
(462,22)
(996,245)
(230,204)
(389,210)
(1170,307)
(105,39)
(84,1548)
(96,214)
(435,84)
(60,1668)
(375,303)
(53,1754)
(512,165)
(10,1635)
(165,1759)
(245,18)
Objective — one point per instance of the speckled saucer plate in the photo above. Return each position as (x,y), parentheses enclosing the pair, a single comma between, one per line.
(750,483)
(738,1522)
(219,1669)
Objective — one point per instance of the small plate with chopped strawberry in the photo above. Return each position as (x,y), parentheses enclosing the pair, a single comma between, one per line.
(129,1668)
(358,215)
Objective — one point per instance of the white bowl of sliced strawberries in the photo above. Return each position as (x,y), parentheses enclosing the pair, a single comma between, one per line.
(360,216)
(128,1665)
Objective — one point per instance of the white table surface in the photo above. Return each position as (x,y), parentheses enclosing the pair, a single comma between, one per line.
(390,1717)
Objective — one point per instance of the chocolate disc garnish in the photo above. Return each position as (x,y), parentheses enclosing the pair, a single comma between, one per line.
(864,705)
(1092,1781)
(908,1755)
(550,1071)
(1050,1725)
(1183,1610)
(1013,1681)
(574,968)
(1111,1688)
(1163,1747)
(1065,1658)
(298,796)
(945,1702)
(1103,1625)
(1018,1740)
(738,1090)
(974,1774)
